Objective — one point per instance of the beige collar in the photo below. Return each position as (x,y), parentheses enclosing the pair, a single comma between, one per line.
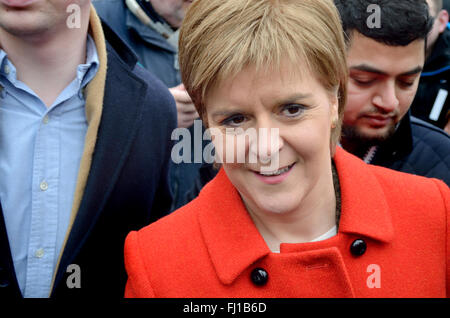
(94,106)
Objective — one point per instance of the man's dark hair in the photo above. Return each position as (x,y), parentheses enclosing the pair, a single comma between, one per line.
(402,21)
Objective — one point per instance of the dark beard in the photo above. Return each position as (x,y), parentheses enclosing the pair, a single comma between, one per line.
(358,143)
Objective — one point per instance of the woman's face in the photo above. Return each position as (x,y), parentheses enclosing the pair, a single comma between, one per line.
(285,121)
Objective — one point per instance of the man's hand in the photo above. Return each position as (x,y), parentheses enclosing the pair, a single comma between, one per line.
(185,108)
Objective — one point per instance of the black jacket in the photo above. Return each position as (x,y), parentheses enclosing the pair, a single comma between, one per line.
(418,148)
(435,80)
(159,57)
(127,187)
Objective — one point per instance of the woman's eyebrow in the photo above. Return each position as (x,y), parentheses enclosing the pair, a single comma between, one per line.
(278,101)
(293,98)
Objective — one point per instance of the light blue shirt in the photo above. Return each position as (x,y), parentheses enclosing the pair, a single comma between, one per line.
(40,153)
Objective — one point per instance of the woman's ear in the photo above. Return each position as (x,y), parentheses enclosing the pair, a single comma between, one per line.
(334,109)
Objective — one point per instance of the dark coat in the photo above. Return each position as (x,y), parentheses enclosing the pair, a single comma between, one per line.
(418,148)
(161,59)
(127,186)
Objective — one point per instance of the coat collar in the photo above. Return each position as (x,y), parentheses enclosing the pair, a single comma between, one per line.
(228,229)
(125,53)
(364,209)
(146,33)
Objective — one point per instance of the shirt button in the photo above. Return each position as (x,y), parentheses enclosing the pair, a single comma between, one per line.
(259,276)
(39,253)
(43,186)
(45,120)
(7,69)
(358,247)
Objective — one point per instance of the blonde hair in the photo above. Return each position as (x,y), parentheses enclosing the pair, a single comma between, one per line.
(220,38)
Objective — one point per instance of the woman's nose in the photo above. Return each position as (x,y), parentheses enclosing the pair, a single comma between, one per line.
(266,147)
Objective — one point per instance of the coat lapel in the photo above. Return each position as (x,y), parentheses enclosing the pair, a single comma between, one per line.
(228,229)
(117,128)
(365,210)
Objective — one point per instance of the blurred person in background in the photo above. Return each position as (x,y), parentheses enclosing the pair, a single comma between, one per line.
(150,28)
(432,102)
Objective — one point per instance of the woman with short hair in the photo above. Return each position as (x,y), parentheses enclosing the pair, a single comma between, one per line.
(295,215)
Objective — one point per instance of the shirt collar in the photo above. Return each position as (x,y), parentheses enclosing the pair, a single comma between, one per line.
(7,69)
(234,243)
(85,72)
(2,61)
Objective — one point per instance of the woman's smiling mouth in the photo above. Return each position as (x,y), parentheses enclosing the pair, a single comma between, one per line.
(274,177)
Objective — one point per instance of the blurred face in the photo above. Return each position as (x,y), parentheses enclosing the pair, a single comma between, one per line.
(32,17)
(300,112)
(439,25)
(383,81)
(173,11)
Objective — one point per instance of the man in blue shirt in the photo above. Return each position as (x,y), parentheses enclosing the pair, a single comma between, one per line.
(84,150)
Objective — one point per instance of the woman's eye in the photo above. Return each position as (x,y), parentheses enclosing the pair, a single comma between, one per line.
(292,110)
(234,120)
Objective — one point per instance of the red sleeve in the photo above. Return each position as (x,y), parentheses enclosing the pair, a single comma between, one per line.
(138,284)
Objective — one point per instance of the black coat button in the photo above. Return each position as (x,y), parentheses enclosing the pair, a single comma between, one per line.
(259,276)
(358,247)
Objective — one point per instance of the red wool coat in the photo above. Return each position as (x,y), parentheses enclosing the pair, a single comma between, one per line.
(211,248)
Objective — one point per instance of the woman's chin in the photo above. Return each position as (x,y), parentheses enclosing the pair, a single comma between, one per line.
(276,204)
